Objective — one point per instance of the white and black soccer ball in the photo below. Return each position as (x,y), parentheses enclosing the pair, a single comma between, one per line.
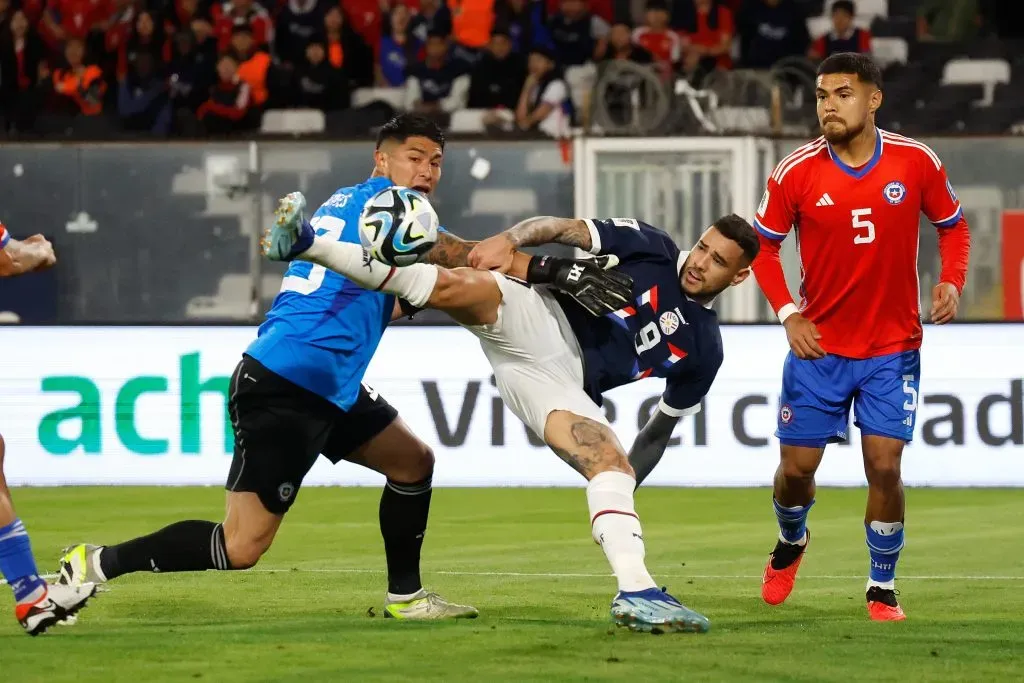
(398,226)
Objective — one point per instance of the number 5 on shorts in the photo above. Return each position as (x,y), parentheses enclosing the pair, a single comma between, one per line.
(910,404)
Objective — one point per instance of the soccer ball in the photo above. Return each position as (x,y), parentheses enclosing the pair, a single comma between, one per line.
(398,226)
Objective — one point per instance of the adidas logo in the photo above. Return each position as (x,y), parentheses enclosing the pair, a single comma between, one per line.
(825,201)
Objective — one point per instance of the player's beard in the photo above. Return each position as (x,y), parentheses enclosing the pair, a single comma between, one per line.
(848,133)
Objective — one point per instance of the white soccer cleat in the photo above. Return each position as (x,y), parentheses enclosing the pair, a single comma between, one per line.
(59,604)
(427,606)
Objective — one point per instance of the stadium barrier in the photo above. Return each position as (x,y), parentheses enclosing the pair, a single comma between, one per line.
(146,405)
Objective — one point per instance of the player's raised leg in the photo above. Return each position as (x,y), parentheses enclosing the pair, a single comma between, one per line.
(38,605)
(592,449)
(814,410)
(408,463)
(886,408)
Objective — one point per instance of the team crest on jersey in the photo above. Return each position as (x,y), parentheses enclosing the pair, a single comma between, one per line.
(786,414)
(669,322)
(895,192)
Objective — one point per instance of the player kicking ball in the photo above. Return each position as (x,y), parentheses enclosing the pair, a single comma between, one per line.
(855,195)
(553,357)
(38,605)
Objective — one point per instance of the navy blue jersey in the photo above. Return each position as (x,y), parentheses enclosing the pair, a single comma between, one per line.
(323,329)
(663,333)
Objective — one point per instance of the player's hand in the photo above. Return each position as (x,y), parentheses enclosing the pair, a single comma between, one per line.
(945,303)
(803,337)
(493,253)
(591,281)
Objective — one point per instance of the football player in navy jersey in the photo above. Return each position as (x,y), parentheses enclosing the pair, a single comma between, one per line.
(552,360)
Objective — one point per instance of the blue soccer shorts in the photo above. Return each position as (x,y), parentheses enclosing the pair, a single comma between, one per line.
(817,396)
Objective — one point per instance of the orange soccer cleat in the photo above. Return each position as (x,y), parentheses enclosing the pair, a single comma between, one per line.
(780,572)
(883,606)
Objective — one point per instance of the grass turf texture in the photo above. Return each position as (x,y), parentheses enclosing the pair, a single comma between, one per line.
(526,559)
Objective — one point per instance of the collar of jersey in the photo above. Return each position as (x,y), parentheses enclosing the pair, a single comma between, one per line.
(679,271)
(866,168)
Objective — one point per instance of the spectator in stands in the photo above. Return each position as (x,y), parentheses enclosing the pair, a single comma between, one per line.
(65,19)
(398,49)
(191,73)
(79,87)
(6,12)
(22,60)
(544,102)
(577,35)
(621,45)
(365,17)
(844,36)
(433,17)
(253,64)
(472,21)
(206,37)
(440,84)
(318,84)
(347,50)
(524,20)
(605,9)
(234,12)
(297,24)
(771,30)
(143,99)
(181,14)
(228,108)
(949,20)
(655,36)
(708,28)
(497,78)
(119,27)
(147,37)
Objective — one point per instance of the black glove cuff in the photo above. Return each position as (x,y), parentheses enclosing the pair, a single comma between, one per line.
(541,270)
(407,308)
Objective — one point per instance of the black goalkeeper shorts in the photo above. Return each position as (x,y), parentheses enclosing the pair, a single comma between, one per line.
(281,428)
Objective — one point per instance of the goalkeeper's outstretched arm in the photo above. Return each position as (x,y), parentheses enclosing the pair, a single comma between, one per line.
(650,444)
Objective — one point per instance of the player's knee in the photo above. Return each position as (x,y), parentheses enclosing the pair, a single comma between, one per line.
(796,471)
(448,289)
(882,471)
(244,551)
(416,466)
(3,447)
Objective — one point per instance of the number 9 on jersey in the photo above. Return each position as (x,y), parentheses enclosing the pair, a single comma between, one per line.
(398,226)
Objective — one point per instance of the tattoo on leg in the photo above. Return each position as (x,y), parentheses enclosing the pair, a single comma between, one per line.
(450,251)
(588,434)
(589,439)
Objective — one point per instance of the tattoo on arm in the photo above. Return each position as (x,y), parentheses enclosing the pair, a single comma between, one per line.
(546,229)
(450,251)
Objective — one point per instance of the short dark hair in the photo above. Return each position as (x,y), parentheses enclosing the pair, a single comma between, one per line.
(656,5)
(852,63)
(405,126)
(846,5)
(742,233)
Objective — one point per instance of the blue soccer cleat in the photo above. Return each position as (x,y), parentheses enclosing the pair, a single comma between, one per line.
(655,611)
(291,234)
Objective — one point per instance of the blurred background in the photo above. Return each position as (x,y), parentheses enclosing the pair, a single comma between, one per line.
(150,139)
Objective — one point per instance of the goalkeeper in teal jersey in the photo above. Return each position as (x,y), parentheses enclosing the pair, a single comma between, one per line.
(298,393)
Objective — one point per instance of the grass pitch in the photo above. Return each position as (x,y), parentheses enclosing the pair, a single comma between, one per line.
(311,610)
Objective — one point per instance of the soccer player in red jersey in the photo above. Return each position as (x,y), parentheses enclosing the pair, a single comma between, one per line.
(38,605)
(853,196)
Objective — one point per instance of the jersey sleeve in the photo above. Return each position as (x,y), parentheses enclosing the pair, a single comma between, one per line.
(627,237)
(776,212)
(5,236)
(684,393)
(939,202)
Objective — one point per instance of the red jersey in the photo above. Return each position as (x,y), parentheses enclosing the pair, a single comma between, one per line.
(5,236)
(664,46)
(857,236)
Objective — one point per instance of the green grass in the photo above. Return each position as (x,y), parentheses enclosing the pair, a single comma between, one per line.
(525,558)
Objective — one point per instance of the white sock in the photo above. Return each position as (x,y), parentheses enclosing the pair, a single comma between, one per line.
(802,541)
(398,597)
(616,527)
(413,283)
(94,560)
(888,585)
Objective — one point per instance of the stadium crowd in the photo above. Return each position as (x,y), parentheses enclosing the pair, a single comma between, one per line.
(194,67)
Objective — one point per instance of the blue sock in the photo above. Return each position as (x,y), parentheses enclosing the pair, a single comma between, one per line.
(16,561)
(885,541)
(792,521)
